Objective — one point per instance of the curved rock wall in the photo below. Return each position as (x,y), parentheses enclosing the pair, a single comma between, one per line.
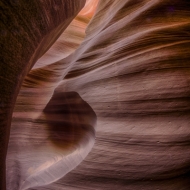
(132,70)
(28,29)
(58,144)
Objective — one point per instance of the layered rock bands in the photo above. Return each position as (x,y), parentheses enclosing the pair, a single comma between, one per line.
(107,106)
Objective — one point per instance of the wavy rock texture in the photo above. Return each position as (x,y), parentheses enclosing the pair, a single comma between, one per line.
(132,70)
(27,29)
(71,38)
(63,129)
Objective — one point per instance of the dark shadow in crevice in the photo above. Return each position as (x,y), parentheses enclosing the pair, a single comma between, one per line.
(70,119)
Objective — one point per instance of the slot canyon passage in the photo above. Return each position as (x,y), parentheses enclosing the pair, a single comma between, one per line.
(95,95)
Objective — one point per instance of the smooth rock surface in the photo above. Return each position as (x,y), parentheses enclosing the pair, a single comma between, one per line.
(58,143)
(27,30)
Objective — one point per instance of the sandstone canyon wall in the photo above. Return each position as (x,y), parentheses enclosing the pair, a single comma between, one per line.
(127,81)
(28,29)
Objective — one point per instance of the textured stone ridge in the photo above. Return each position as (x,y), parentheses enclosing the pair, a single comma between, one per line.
(27,29)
